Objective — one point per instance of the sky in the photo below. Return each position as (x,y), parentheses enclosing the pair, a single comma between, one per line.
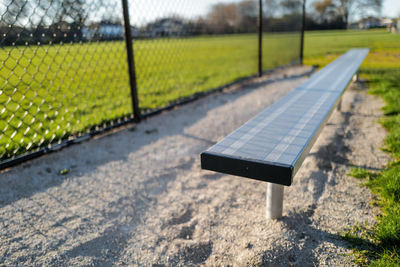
(391,8)
(153,9)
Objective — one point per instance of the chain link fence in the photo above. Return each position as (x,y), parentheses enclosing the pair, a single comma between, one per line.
(70,69)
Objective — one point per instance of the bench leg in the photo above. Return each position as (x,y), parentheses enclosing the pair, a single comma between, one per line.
(356,77)
(274,201)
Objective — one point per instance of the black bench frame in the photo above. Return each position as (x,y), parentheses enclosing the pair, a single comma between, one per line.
(231,155)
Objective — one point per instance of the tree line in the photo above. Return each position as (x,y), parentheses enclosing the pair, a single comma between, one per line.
(46,21)
(279,16)
(340,13)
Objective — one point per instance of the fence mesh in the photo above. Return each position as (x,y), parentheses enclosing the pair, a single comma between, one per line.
(191,46)
(64,71)
(281,32)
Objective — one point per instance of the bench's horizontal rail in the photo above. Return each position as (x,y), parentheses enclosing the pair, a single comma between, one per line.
(272,146)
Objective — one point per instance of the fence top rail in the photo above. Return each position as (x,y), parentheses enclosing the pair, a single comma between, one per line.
(272,146)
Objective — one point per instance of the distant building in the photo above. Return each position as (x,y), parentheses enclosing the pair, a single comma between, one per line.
(372,22)
(166,27)
(388,23)
(369,22)
(106,31)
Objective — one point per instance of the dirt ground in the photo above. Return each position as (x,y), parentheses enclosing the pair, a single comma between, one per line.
(138,197)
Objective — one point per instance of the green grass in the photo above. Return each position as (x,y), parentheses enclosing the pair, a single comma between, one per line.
(377,245)
(323,47)
(51,92)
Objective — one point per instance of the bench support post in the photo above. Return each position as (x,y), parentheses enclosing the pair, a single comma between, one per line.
(274,201)
(356,77)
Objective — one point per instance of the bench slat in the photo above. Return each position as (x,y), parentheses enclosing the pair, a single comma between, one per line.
(272,146)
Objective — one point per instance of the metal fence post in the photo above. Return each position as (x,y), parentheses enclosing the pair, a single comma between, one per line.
(131,61)
(260,30)
(303,27)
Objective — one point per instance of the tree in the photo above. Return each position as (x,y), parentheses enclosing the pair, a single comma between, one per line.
(71,11)
(270,8)
(345,9)
(248,12)
(64,18)
(234,17)
(291,6)
(325,9)
(16,11)
(370,5)
(224,18)
(349,8)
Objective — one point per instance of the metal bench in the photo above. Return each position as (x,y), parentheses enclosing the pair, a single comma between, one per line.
(272,146)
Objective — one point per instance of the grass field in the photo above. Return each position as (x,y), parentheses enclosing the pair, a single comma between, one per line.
(48,93)
(377,245)
(323,47)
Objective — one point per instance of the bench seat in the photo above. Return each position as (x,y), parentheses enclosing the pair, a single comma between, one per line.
(272,146)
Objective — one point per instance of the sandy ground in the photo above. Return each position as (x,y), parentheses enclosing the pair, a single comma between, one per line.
(138,197)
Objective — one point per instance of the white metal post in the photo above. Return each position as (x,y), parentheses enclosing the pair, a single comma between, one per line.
(356,77)
(274,201)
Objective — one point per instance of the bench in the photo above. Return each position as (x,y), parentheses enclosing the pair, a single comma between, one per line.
(272,146)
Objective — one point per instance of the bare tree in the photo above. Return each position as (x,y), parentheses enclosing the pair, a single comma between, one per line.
(370,5)
(248,12)
(224,17)
(345,9)
(325,9)
(270,8)
(348,8)
(291,6)
(71,11)
(16,11)
(65,18)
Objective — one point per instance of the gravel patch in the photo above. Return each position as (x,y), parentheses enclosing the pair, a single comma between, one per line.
(138,197)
